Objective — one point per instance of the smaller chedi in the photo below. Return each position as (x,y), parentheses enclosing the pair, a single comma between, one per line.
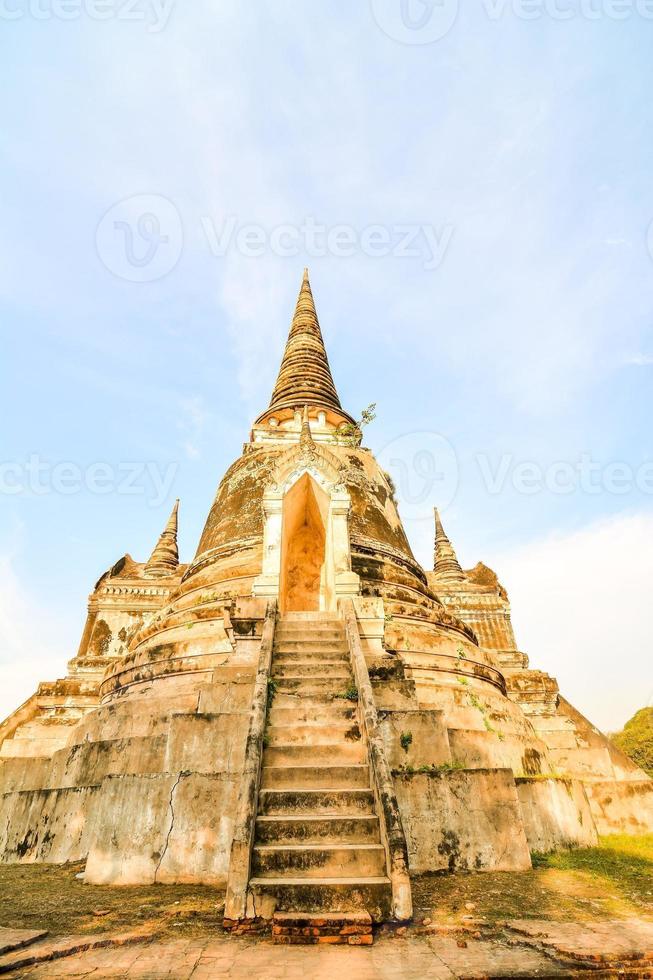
(302,713)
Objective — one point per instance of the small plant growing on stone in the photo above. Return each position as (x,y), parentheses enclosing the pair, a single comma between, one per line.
(461,654)
(475,703)
(209,597)
(443,767)
(272,690)
(405,770)
(351,434)
(406,740)
(266,741)
(351,694)
(391,484)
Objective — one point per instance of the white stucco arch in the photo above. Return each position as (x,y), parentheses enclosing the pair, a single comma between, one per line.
(323,468)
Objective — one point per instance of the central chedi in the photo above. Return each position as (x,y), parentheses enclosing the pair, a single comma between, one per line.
(303,714)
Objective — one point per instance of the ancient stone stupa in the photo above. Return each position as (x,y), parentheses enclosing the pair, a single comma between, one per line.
(303,713)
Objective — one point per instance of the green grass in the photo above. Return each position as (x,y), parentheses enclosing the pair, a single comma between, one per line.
(619,862)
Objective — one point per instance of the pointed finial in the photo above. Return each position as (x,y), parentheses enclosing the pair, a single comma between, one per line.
(446,563)
(305,375)
(164,560)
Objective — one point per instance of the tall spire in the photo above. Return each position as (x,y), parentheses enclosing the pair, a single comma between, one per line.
(305,376)
(446,562)
(164,560)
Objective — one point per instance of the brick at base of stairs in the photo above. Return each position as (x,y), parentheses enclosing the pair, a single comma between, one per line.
(336,929)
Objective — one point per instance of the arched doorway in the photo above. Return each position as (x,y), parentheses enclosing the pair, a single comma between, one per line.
(304,548)
(306,527)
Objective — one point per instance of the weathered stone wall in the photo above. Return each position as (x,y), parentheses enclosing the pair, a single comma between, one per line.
(49,826)
(146,789)
(414,738)
(622,806)
(556,814)
(466,820)
(166,828)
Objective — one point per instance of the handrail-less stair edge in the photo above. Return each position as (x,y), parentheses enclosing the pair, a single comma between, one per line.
(388,808)
(245,823)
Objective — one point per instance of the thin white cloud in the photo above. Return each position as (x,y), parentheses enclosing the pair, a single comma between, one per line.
(640,360)
(191,423)
(33,643)
(581,610)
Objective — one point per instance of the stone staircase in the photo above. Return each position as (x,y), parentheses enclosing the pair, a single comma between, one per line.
(317,848)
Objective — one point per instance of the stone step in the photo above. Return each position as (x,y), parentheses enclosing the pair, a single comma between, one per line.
(373,895)
(312,734)
(308,643)
(319,860)
(335,754)
(329,778)
(297,631)
(311,617)
(317,802)
(320,712)
(315,687)
(306,929)
(322,699)
(311,656)
(316,829)
(306,670)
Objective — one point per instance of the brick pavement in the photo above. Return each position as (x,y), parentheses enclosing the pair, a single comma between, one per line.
(524,948)
(412,958)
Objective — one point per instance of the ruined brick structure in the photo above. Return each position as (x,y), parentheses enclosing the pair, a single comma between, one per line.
(303,713)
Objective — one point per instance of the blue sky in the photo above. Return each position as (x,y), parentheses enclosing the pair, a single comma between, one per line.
(523,147)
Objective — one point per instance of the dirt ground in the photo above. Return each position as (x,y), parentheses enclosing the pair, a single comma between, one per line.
(613,880)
